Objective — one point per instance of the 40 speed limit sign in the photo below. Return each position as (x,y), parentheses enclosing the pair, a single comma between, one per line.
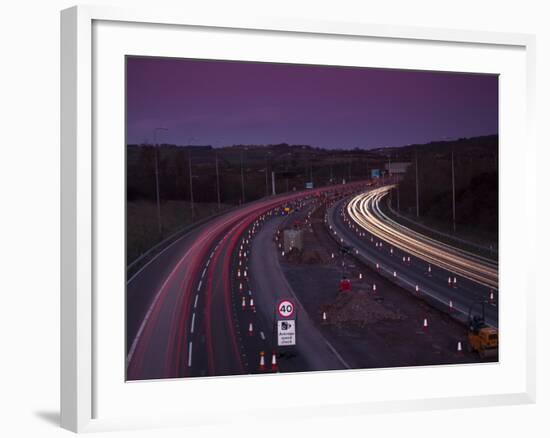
(286,309)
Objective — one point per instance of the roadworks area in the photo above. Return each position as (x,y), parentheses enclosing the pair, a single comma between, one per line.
(376,324)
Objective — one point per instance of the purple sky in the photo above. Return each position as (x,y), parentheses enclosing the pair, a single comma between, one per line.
(223,103)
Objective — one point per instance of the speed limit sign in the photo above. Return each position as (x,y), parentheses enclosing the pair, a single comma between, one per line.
(285,308)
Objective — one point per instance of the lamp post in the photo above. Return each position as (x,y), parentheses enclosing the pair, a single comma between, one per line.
(218,182)
(242,179)
(191,180)
(453,183)
(159,218)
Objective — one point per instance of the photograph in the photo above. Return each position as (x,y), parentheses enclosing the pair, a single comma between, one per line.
(290,218)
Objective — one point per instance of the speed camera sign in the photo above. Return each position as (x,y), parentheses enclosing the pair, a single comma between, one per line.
(285,308)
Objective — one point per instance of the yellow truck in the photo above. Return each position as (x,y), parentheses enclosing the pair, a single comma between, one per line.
(482,338)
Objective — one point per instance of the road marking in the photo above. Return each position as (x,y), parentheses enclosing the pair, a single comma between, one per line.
(262,336)
(199,286)
(196,299)
(193,323)
(189,361)
(203,273)
(208,261)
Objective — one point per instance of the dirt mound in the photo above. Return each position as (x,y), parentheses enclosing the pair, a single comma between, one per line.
(358,309)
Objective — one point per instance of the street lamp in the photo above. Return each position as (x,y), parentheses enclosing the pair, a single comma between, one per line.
(157,177)
(191,139)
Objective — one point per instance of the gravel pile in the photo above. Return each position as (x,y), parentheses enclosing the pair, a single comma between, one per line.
(358,309)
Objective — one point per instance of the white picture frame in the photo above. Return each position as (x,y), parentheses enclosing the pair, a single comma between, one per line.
(79,168)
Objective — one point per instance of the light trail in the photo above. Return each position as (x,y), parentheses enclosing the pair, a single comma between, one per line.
(364,209)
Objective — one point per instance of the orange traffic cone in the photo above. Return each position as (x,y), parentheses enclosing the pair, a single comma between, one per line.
(250,329)
(374,287)
(425,324)
(394,274)
(404,259)
(324,317)
(459,347)
(450,305)
(429,270)
(251,303)
(391,251)
(274,366)
(378,267)
(491,296)
(417,290)
(243,303)
(454,283)
(262,361)
(449,282)
(360,276)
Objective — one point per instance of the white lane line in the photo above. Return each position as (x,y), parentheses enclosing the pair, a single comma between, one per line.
(199,286)
(193,323)
(190,360)
(196,299)
(208,261)
(262,336)
(203,273)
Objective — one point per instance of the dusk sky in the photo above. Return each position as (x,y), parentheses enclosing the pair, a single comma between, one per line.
(223,103)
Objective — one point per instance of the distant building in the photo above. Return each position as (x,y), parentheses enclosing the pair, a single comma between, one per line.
(397,168)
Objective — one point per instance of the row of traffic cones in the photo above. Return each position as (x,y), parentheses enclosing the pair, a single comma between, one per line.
(274,366)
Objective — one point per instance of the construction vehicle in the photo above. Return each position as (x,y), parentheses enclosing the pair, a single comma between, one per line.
(482,338)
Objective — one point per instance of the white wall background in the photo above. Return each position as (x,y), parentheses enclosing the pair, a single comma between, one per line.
(29,215)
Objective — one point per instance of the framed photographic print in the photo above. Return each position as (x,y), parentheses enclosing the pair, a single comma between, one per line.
(319,209)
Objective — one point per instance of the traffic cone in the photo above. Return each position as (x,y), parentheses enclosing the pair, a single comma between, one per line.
(391,251)
(238,273)
(331,255)
(417,290)
(449,282)
(283,253)
(454,282)
(429,270)
(274,366)
(244,273)
(378,267)
(374,287)
(394,274)
(491,296)
(408,260)
(404,259)
(376,244)
(250,329)
(325,318)
(251,303)
(360,276)
(450,305)
(243,303)
(459,347)
(425,325)
(262,361)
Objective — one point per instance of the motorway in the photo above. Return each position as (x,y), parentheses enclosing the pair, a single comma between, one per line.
(191,311)
(454,278)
